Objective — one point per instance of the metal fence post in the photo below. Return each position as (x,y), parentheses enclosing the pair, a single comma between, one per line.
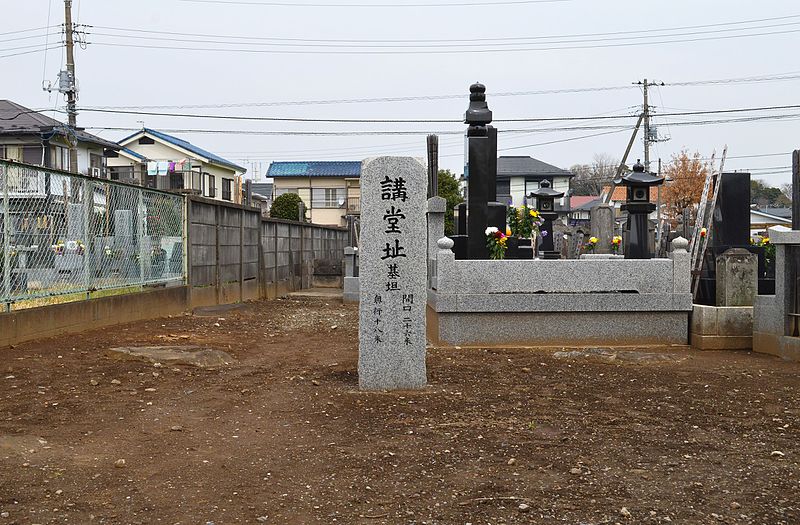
(6,240)
(141,224)
(88,207)
(185,239)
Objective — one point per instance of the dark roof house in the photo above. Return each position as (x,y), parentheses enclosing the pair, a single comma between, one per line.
(528,167)
(19,121)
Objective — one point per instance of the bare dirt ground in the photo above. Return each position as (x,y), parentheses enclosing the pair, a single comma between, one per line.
(283,435)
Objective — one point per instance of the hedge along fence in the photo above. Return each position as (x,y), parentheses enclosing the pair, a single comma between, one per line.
(236,255)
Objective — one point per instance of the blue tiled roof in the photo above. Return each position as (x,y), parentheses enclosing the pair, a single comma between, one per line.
(214,159)
(134,154)
(315,169)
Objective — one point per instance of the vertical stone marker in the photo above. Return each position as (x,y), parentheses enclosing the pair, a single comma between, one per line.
(392,265)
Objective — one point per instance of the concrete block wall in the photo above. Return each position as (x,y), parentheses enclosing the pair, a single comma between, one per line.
(236,255)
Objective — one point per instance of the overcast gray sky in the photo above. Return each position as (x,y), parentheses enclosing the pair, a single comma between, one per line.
(297,59)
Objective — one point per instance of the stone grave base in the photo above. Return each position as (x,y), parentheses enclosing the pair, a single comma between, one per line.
(557,328)
(781,346)
(722,327)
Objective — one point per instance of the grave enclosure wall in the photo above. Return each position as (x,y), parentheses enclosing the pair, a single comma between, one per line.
(554,302)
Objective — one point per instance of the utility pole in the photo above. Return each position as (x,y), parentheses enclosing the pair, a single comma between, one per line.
(646,121)
(646,130)
(71,87)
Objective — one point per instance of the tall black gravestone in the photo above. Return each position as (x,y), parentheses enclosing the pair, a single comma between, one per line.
(731,227)
(480,170)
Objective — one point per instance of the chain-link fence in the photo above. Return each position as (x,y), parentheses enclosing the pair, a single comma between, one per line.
(66,237)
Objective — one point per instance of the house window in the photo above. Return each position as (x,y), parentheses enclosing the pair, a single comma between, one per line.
(146,140)
(121,172)
(503,189)
(281,191)
(328,197)
(227,185)
(32,155)
(212,187)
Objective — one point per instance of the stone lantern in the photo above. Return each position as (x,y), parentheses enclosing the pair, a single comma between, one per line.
(545,205)
(639,207)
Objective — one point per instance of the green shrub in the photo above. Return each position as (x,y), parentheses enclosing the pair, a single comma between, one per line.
(286,206)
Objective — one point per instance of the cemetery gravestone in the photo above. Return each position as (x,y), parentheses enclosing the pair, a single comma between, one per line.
(602,226)
(737,278)
(392,274)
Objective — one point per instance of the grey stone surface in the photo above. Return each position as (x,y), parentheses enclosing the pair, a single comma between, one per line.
(392,274)
(178,355)
(436,211)
(783,235)
(556,328)
(737,278)
(602,227)
(724,321)
(437,205)
(350,255)
(555,302)
(548,276)
(600,256)
(681,266)
(768,315)
(350,292)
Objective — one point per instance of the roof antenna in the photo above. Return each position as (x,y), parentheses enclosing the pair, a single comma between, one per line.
(140,122)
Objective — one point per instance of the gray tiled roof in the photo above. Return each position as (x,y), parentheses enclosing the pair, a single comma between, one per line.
(528,167)
(19,120)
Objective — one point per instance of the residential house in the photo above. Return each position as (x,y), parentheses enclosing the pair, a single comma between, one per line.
(761,219)
(34,138)
(330,190)
(581,208)
(620,196)
(517,177)
(158,160)
(262,196)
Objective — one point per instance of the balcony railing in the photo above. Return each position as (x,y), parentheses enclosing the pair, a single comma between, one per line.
(354,205)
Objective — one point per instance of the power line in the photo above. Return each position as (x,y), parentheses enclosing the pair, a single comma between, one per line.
(422,98)
(449,40)
(450,132)
(30,37)
(301,43)
(427,121)
(29,30)
(436,51)
(44,49)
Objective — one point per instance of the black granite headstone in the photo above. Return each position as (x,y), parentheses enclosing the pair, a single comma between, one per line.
(731,226)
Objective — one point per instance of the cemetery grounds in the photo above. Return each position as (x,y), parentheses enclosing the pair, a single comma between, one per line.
(283,435)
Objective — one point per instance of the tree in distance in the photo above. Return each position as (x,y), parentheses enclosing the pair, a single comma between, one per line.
(449,191)
(591,178)
(686,176)
(766,196)
(286,206)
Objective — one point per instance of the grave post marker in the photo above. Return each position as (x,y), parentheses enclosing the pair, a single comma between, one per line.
(392,274)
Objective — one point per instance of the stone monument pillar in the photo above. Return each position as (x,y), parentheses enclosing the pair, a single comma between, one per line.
(602,227)
(480,170)
(392,274)
(737,278)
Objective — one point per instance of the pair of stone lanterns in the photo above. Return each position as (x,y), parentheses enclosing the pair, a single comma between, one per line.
(638,206)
